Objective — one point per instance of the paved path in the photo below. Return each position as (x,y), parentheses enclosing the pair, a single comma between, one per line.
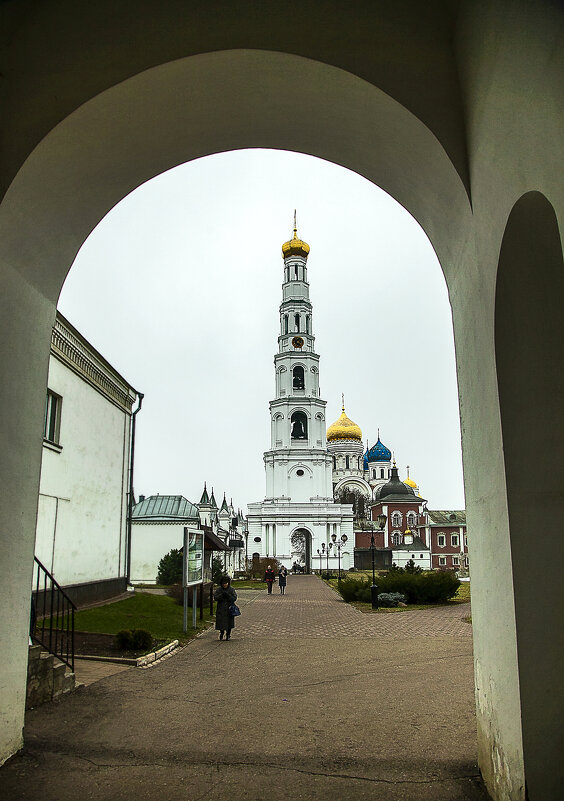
(310,699)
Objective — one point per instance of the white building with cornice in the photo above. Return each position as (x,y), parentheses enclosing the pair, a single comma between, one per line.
(82,513)
(298,516)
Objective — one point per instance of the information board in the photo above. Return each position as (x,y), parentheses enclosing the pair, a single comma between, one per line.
(193,557)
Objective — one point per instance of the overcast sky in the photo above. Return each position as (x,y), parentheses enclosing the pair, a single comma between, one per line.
(179,288)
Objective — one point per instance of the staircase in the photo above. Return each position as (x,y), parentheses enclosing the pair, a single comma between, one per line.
(47,677)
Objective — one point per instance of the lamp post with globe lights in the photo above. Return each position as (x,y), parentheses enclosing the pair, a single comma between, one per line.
(374,588)
(320,553)
(338,545)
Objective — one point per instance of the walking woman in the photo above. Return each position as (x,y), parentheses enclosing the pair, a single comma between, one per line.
(269,577)
(225,595)
(282,577)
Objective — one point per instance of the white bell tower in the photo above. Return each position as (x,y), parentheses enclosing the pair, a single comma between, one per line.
(298,517)
(298,466)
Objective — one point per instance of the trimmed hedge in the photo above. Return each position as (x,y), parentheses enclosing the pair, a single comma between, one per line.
(134,640)
(430,587)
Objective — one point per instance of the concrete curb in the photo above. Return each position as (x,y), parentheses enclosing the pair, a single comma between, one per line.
(140,661)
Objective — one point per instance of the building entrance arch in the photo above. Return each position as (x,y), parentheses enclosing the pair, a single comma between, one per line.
(300,540)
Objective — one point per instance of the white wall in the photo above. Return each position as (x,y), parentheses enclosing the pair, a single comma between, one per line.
(149,543)
(81,522)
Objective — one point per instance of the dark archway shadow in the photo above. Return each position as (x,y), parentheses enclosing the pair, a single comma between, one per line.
(529,348)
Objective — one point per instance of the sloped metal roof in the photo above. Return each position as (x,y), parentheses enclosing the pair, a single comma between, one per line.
(447,517)
(165,507)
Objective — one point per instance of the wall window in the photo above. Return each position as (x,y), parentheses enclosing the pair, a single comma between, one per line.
(411,519)
(441,540)
(307,323)
(381,472)
(466,540)
(442,560)
(298,378)
(298,425)
(396,537)
(347,462)
(297,320)
(455,561)
(296,271)
(334,463)
(285,323)
(374,474)
(454,541)
(396,519)
(52,426)
(257,539)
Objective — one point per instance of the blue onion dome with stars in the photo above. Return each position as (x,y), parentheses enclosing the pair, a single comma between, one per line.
(377,453)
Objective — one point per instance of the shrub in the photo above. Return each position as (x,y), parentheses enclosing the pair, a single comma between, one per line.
(170,568)
(122,640)
(431,587)
(135,640)
(217,569)
(390,599)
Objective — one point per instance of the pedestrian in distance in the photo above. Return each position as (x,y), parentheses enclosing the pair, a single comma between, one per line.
(282,578)
(225,595)
(269,577)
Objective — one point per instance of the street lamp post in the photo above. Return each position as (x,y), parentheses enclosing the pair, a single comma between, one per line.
(329,546)
(320,554)
(374,588)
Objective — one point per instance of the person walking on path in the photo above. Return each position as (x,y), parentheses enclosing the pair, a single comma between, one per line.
(269,578)
(282,577)
(225,595)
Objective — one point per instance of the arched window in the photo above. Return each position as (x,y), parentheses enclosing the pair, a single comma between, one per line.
(396,538)
(334,463)
(298,425)
(411,519)
(307,323)
(296,271)
(381,472)
(347,464)
(374,474)
(396,519)
(297,321)
(298,379)
(285,323)
(358,463)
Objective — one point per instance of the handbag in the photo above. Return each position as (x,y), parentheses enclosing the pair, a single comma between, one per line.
(234,610)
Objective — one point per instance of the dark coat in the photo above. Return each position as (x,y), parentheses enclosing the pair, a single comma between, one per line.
(269,575)
(224,597)
(282,578)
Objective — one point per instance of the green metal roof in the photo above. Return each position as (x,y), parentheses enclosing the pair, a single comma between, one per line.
(447,517)
(165,507)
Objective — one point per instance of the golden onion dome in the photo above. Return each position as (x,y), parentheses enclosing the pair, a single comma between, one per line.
(295,246)
(344,428)
(410,483)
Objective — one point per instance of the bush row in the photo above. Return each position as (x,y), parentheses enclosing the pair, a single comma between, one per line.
(134,640)
(431,587)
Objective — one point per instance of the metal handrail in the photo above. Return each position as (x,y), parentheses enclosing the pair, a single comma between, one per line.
(51,623)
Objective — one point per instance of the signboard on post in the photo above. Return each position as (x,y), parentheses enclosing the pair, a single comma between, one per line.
(193,558)
(192,569)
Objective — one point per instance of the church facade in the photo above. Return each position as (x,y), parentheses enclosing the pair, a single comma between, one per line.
(298,518)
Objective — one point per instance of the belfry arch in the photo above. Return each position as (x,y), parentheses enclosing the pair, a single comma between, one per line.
(443,140)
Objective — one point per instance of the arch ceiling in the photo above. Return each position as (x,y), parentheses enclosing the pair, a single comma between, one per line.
(201,105)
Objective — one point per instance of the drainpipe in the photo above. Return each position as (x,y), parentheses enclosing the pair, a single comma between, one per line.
(140,397)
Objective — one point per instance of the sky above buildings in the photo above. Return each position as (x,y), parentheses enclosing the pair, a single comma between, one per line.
(179,288)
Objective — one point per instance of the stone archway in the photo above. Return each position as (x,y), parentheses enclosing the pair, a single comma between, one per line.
(83,129)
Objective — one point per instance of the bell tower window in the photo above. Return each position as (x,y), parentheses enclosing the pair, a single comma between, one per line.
(297,321)
(299,425)
(285,323)
(298,380)
(296,271)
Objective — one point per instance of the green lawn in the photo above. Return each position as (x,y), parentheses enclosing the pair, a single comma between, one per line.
(158,614)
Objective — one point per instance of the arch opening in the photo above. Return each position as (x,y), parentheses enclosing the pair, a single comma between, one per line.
(529,335)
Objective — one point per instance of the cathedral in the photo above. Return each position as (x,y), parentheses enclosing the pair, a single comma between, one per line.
(322,485)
